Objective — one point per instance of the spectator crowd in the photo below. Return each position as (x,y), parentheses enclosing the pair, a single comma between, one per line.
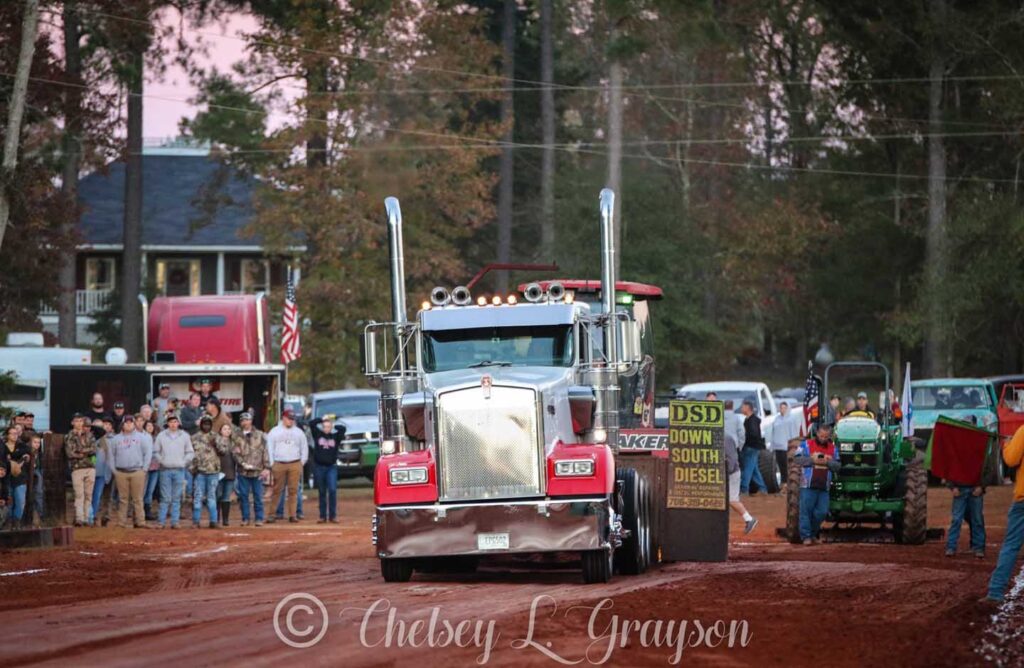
(151,467)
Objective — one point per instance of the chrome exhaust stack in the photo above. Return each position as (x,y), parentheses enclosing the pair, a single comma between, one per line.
(395,382)
(604,379)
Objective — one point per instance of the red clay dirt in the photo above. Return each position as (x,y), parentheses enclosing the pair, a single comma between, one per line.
(197,597)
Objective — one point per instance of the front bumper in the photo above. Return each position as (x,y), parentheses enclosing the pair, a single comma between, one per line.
(532,526)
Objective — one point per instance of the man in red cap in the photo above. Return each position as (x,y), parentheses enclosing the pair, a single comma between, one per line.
(288,451)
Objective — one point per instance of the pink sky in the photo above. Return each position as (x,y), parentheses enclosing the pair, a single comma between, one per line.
(160,113)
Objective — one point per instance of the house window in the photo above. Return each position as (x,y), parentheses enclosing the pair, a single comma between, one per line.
(99,273)
(255,275)
(177,278)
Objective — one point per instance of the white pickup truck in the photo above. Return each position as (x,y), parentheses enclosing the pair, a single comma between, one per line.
(764,405)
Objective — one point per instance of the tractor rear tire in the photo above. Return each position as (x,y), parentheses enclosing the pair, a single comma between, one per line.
(597,566)
(998,473)
(911,527)
(793,480)
(634,556)
(769,468)
(396,570)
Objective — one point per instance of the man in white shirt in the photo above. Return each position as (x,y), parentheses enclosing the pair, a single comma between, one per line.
(785,428)
(288,451)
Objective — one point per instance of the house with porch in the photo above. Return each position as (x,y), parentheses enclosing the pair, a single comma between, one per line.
(194,213)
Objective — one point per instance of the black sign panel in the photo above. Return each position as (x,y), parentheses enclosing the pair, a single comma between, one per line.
(697,494)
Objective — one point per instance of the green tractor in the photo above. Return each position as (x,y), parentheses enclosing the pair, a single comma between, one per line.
(882,481)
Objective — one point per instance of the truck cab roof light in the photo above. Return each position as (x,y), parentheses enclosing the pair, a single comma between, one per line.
(496,300)
(481,301)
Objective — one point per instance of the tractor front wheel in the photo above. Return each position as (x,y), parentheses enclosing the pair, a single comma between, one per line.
(793,500)
(912,526)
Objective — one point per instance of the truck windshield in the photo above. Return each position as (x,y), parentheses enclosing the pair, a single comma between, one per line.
(951,397)
(542,345)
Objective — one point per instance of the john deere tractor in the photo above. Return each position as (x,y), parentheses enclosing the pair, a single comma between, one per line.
(882,483)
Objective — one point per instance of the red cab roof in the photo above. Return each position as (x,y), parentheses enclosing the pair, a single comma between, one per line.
(642,290)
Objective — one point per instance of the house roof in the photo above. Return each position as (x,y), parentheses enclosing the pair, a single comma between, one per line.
(187,200)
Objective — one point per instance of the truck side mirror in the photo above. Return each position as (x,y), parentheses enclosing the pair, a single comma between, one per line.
(629,336)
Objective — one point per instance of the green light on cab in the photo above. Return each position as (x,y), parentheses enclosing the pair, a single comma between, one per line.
(624,298)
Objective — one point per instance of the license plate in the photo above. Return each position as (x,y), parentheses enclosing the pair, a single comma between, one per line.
(492,541)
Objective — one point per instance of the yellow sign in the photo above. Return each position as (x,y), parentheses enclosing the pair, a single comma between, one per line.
(696,455)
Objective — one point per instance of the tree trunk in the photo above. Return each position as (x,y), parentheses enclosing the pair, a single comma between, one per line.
(66,317)
(936,363)
(131,258)
(547,119)
(615,152)
(16,110)
(506,174)
(316,159)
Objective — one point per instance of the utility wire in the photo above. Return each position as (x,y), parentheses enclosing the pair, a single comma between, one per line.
(582,147)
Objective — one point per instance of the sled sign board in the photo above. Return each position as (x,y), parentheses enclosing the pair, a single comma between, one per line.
(696,524)
(697,456)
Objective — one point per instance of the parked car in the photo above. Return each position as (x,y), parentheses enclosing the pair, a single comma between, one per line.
(357,411)
(965,399)
(764,406)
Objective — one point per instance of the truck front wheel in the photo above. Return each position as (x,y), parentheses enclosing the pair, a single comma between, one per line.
(597,566)
(396,570)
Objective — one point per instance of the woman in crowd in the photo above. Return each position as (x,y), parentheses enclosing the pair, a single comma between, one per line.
(227,440)
(153,473)
(14,458)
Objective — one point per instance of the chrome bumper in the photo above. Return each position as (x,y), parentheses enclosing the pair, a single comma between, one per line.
(532,526)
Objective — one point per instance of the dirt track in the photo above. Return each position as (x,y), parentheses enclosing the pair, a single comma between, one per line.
(195,597)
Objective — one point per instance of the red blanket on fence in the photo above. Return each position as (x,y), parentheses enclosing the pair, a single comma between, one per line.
(958,452)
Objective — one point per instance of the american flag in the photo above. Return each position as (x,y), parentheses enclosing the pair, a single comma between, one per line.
(810,402)
(291,349)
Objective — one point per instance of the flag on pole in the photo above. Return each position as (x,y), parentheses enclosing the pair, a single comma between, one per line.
(810,402)
(291,348)
(907,406)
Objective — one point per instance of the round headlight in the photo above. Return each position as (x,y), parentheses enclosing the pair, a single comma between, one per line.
(387,447)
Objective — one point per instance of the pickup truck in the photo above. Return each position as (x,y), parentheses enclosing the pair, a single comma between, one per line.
(764,405)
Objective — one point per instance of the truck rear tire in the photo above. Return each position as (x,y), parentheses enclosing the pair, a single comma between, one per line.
(793,501)
(911,528)
(597,566)
(769,471)
(396,570)
(634,556)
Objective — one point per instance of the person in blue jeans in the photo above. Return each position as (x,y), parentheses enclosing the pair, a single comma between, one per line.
(1013,453)
(252,462)
(14,458)
(753,444)
(206,463)
(969,504)
(326,440)
(819,459)
(173,453)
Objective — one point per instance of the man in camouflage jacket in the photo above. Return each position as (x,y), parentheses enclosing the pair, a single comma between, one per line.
(206,466)
(252,460)
(80,448)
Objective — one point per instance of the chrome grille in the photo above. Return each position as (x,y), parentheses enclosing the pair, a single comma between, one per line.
(489,448)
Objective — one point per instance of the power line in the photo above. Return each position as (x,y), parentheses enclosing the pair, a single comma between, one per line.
(482,142)
(542,85)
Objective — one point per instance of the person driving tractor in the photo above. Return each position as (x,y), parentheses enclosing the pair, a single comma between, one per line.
(862,409)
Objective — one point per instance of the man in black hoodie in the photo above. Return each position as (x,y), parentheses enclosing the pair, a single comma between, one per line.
(753,444)
(326,440)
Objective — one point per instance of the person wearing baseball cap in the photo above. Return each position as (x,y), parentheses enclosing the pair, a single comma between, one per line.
(288,451)
(174,452)
(327,439)
(862,409)
(251,463)
(206,391)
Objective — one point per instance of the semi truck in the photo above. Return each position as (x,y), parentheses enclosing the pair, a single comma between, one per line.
(501,418)
(224,339)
